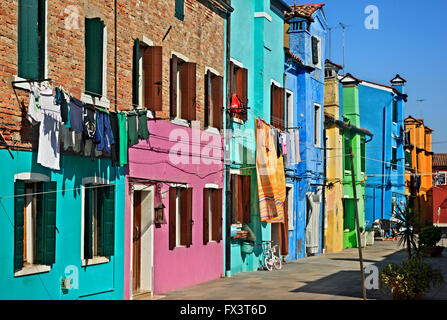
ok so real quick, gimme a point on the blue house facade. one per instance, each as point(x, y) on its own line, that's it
point(382, 111)
point(305, 56)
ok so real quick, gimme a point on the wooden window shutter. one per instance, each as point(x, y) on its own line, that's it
point(241, 89)
point(19, 220)
point(216, 201)
point(239, 198)
point(88, 218)
point(246, 198)
point(207, 99)
point(188, 91)
point(273, 98)
point(232, 79)
point(315, 58)
point(206, 208)
point(217, 83)
point(173, 95)
point(180, 9)
point(94, 41)
point(106, 198)
point(281, 107)
point(28, 34)
point(172, 217)
point(284, 232)
point(153, 78)
point(135, 72)
point(45, 223)
point(189, 221)
point(185, 216)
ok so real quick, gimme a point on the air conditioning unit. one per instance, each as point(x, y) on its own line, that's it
point(66, 283)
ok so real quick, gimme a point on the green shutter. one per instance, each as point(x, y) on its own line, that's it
point(408, 158)
point(180, 9)
point(135, 72)
point(347, 155)
point(49, 254)
point(349, 214)
point(94, 40)
point(363, 155)
point(28, 35)
point(88, 220)
point(41, 38)
point(106, 198)
point(45, 244)
point(19, 206)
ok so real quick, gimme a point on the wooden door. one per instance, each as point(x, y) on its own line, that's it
point(136, 247)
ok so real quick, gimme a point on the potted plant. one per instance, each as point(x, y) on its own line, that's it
point(410, 280)
point(428, 238)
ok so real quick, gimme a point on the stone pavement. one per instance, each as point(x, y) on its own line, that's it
point(332, 276)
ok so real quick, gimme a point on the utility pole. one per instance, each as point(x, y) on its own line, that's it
point(343, 26)
point(359, 241)
point(420, 107)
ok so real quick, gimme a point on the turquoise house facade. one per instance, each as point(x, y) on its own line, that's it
point(257, 61)
point(64, 273)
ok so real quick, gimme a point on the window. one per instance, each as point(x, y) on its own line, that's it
point(277, 106)
point(34, 224)
point(147, 76)
point(363, 155)
point(289, 109)
point(31, 39)
point(238, 85)
point(241, 202)
point(213, 100)
point(180, 9)
point(317, 125)
point(99, 221)
point(212, 215)
point(347, 162)
point(183, 89)
point(289, 207)
point(316, 52)
point(407, 158)
point(180, 217)
point(394, 158)
point(94, 56)
point(395, 114)
point(348, 214)
point(441, 178)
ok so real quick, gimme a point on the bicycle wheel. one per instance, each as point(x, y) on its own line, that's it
point(277, 262)
point(268, 264)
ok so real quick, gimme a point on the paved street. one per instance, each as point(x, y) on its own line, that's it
point(324, 277)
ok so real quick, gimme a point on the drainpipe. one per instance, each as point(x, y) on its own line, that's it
point(228, 194)
point(323, 207)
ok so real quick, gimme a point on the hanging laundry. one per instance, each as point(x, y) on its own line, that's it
point(284, 143)
point(89, 130)
point(60, 100)
point(297, 146)
point(76, 110)
point(104, 136)
point(67, 137)
point(67, 99)
point(48, 154)
point(312, 221)
point(122, 138)
point(115, 148)
point(292, 153)
point(270, 175)
point(143, 132)
point(34, 109)
point(278, 143)
point(132, 129)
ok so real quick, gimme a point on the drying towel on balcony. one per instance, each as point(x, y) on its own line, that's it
point(270, 175)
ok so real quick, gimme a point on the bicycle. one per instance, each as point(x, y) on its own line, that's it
point(270, 260)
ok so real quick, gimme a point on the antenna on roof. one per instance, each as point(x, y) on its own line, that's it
point(420, 106)
point(343, 26)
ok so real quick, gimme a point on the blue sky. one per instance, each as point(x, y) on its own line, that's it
point(411, 41)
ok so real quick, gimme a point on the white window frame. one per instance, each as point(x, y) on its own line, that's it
point(317, 128)
point(210, 211)
point(291, 216)
point(318, 65)
point(177, 213)
point(289, 109)
point(96, 259)
point(445, 178)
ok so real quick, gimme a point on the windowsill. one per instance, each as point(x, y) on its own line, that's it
point(212, 130)
point(99, 102)
point(32, 269)
point(347, 171)
point(237, 120)
point(94, 261)
point(291, 228)
point(24, 85)
point(394, 123)
point(180, 122)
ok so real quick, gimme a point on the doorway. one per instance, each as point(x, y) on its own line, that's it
point(142, 239)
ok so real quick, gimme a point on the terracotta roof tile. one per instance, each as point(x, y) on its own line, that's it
point(304, 10)
point(439, 160)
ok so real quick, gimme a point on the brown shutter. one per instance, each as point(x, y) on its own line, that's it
point(183, 216)
point(281, 106)
point(172, 214)
point(217, 214)
point(153, 78)
point(241, 88)
point(284, 232)
point(217, 83)
point(206, 208)
point(207, 100)
point(232, 79)
point(189, 91)
point(246, 198)
point(272, 104)
point(189, 221)
point(239, 197)
point(173, 96)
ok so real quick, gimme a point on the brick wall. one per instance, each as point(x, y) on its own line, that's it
point(200, 37)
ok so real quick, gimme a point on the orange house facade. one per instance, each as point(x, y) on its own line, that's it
point(418, 176)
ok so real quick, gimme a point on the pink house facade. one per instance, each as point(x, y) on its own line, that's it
point(173, 157)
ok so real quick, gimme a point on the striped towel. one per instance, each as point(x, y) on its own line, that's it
point(270, 175)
